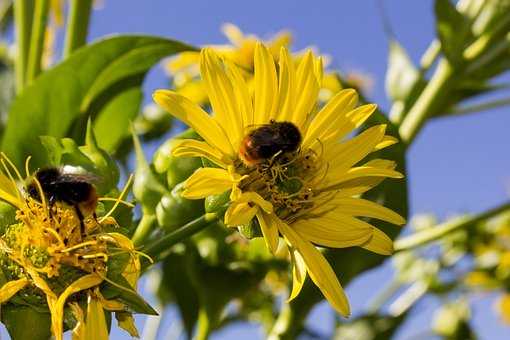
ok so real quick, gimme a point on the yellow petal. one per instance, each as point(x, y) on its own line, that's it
point(357, 172)
point(298, 273)
point(239, 214)
point(221, 95)
point(319, 70)
point(268, 226)
point(192, 115)
point(347, 154)
point(385, 142)
point(361, 185)
point(133, 267)
point(126, 321)
point(307, 90)
point(195, 148)
point(253, 197)
point(266, 88)
point(233, 33)
point(334, 230)
point(379, 243)
point(353, 120)
point(365, 208)
point(182, 61)
point(319, 269)
point(286, 94)
point(10, 288)
point(208, 181)
point(330, 114)
point(244, 100)
point(95, 326)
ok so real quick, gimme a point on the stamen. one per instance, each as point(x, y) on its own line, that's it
point(127, 204)
point(27, 167)
point(78, 246)
point(118, 200)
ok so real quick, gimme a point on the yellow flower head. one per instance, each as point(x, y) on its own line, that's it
point(289, 165)
point(51, 255)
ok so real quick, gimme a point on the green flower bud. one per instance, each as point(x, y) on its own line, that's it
point(147, 188)
point(174, 211)
point(153, 122)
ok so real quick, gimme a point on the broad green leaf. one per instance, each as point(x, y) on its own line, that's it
point(453, 30)
point(80, 87)
point(121, 109)
point(23, 322)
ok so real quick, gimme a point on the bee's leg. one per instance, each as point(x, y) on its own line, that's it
point(81, 218)
point(51, 202)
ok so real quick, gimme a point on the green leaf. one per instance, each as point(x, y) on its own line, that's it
point(133, 301)
point(78, 87)
point(121, 109)
point(453, 30)
point(402, 75)
point(176, 283)
point(23, 322)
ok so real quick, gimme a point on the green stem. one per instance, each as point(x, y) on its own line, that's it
point(204, 325)
point(430, 101)
point(143, 229)
point(77, 25)
point(427, 236)
point(382, 298)
point(23, 14)
point(478, 107)
point(37, 41)
point(167, 241)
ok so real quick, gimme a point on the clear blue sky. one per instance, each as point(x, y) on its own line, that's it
point(456, 165)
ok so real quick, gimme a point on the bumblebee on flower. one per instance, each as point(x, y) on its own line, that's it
point(60, 255)
point(287, 163)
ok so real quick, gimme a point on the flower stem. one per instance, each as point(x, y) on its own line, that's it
point(204, 325)
point(433, 234)
point(143, 229)
point(37, 39)
point(167, 241)
point(23, 14)
point(430, 100)
point(77, 25)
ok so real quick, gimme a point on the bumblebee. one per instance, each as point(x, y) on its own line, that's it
point(268, 140)
point(59, 185)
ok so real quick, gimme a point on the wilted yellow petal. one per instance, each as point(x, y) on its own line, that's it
point(379, 243)
point(319, 269)
point(132, 270)
point(10, 288)
point(95, 326)
point(79, 329)
point(126, 321)
point(57, 308)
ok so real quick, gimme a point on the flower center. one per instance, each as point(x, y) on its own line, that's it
point(285, 181)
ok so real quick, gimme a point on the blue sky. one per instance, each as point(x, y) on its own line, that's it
point(456, 165)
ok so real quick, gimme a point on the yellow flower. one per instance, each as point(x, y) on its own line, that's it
point(47, 253)
point(308, 196)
